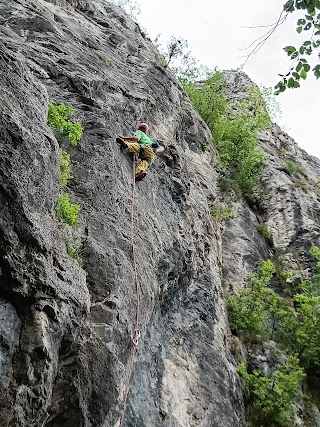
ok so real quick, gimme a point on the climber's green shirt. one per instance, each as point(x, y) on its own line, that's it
point(144, 138)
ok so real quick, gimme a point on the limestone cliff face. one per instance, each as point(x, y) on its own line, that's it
point(289, 206)
point(66, 332)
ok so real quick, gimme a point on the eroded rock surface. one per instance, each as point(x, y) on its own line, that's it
point(289, 206)
point(66, 332)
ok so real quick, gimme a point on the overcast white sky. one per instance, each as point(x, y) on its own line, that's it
point(215, 36)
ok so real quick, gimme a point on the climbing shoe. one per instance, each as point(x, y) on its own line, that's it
point(122, 143)
point(140, 176)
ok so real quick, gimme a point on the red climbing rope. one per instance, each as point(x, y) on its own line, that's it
point(136, 328)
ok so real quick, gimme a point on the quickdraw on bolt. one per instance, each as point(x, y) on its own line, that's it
point(136, 338)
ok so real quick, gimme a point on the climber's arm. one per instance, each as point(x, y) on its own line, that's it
point(133, 138)
point(157, 147)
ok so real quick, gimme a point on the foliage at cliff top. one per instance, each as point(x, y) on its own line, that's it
point(234, 127)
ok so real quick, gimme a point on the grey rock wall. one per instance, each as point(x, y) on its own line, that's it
point(289, 206)
point(67, 334)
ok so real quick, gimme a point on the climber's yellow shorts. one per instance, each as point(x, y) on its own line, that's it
point(146, 155)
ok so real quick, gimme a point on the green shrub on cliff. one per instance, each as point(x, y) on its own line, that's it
point(294, 325)
point(266, 233)
point(207, 97)
point(67, 212)
point(58, 118)
point(251, 309)
point(293, 168)
point(270, 399)
point(74, 250)
point(65, 167)
point(220, 212)
point(234, 127)
point(298, 329)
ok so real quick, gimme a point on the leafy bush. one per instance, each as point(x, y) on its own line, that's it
point(207, 98)
point(271, 399)
point(58, 119)
point(75, 251)
point(292, 168)
point(67, 212)
point(299, 327)
point(229, 187)
point(234, 129)
point(315, 251)
point(221, 213)
point(65, 167)
point(131, 7)
point(264, 230)
point(294, 324)
point(236, 136)
point(251, 310)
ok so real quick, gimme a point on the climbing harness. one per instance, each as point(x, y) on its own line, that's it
point(136, 327)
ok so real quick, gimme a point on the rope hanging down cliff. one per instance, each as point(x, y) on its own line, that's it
point(136, 328)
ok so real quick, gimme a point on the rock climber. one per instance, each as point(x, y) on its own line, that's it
point(142, 145)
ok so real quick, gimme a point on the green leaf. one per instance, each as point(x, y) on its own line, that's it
point(301, 22)
point(307, 43)
point(296, 84)
point(301, 50)
point(299, 29)
point(308, 26)
point(299, 67)
point(309, 17)
point(296, 75)
point(289, 49)
point(291, 83)
point(282, 88)
point(306, 67)
point(303, 74)
point(316, 71)
point(289, 6)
